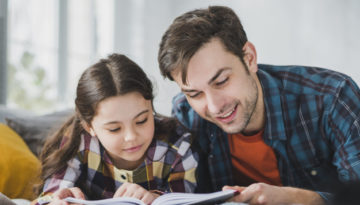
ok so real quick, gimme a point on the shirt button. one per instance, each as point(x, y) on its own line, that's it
point(123, 176)
point(313, 172)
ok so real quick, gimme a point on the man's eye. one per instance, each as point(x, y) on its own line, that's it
point(222, 82)
point(194, 95)
point(142, 121)
point(114, 130)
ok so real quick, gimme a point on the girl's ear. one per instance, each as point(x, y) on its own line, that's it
point(88, 128)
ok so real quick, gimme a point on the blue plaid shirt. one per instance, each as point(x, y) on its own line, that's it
point(312, 124)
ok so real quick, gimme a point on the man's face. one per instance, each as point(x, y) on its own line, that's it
point(220, 88)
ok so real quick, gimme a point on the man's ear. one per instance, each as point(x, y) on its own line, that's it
point(88, 128)
point(250, 57)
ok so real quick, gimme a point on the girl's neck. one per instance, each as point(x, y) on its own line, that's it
point(125, 164)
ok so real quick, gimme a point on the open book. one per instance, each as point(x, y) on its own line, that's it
point(168, 199)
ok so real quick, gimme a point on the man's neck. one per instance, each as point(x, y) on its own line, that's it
point(257, 120)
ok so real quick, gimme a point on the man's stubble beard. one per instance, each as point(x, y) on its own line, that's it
point(248, 112)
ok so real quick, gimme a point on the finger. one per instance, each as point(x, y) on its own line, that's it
point(77, 193)
point(237, 197)
point(58, 202)
point(62, 194)
point(238, 188)
point(148, 198)
point(135, 191)
point(121, 190)
point(137, 194)
point(251, 193)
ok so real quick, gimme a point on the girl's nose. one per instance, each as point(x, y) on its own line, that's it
point(130, 135)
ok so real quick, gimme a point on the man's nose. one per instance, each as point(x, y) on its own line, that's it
point(215, 103)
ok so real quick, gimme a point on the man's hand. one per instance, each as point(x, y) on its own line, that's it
point(135, 191)
point(66, 192)
point(260, 193)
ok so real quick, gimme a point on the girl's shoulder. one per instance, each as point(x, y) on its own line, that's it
point(89, 143)
point(169, 129)
point(176, 142)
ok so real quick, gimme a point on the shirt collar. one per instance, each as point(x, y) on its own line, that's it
point(274, 125)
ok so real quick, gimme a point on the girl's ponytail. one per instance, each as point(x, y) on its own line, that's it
point(59, 149)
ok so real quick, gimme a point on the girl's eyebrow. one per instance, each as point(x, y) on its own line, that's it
point(140, 113)
point(112, 122)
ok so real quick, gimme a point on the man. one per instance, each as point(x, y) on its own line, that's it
point(278, 134)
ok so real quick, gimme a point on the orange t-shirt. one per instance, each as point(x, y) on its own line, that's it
point(253, 160)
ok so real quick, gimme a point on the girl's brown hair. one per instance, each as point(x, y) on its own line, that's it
point(113, 76)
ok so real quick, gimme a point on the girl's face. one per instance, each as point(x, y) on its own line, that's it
point(125, 127)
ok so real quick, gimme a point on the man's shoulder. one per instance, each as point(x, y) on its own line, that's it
point(180, 105)
point(180, 100)
point(176, 144)
point(183, 111)
point(188, 117)
point(302, 79)
point(302, 72)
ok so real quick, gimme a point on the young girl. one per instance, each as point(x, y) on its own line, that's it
point(115, 144)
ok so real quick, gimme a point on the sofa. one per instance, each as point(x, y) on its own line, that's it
point(22, 135)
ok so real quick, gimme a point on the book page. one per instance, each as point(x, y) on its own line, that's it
point(194, 198)
point(168, 199)
point(111, 201)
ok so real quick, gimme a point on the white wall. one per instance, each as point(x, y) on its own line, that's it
point(322, 33)
point(3, 47)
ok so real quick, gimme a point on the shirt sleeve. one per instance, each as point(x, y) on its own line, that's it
point(182, 111)
point(344, 129)
point(64, 178)
point(182, 172)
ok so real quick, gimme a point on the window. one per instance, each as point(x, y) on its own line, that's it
point(50, 43)
point(32, 54)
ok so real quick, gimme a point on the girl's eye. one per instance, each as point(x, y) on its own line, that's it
point(141, 122)
point(222, 82)
point(114, 130)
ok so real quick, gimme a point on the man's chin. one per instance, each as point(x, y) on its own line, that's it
point(230, 128)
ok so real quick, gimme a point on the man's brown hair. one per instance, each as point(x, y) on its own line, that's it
point(190, 31)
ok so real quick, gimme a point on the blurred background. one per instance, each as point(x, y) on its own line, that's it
point(46, 44)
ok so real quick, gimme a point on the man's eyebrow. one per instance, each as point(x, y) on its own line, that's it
point(188, 90)
point(217, 74)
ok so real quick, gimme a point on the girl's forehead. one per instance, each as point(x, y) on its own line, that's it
point(122, 108)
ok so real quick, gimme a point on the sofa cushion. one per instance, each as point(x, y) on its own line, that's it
point(6, 112)
point(34, 130)
point(19, 167)
point(4, 200)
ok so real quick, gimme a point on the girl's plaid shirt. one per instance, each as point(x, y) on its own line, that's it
point(169, 166)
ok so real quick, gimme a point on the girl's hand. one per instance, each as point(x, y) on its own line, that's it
point(135, 191)
point(66, 192)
